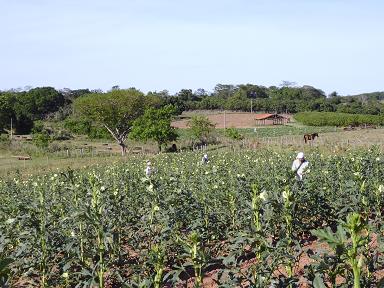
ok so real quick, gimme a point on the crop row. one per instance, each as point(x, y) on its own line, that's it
point(338, 119)
point(112, 225)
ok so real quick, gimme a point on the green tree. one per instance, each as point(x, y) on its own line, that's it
point(200, 92)
point(309, 92)
point(224, 90)
point(238, 101)
point(333, 94)
point(27, 106)
point(254, 91)
point(6, 110)
point(155, 125)
point(38, 102)
point(234, 134)
point(70, 95)
point(201, 128)
point(41, 139)
point(186, 95)
point(115, 110)
point(212, 102)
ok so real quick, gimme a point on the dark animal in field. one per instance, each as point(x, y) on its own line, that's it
point(173, 148)
point(309, 137)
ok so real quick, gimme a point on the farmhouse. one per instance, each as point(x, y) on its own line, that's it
point(270, 119)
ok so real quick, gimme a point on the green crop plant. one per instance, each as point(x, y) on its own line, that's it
point(257, 200)
point(288, 201)
point(157, 259)
point(347, 244)
point(5, 272)
point(378, 199)
point(96, 210)
point(194, 253)
point(355, 227)
point(100, 225)
point(42, 234)
point(197, 257)
point(80, 235)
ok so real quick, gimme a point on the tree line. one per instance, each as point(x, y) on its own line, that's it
point(22, 108)
point(26, 107)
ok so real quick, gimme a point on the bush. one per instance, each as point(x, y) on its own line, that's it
point(234, 134)
point(38, 127)
point(62, 135)
point(4, 138)
point(41, 140)
point(201, 128)
point(337, 119)
point(85, 127)
point(78, 126)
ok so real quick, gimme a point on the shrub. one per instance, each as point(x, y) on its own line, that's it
point(201, 128)
point(62, 135)
point(41, 140)
point(234, 134)
point(85, 127)
point(337, 119)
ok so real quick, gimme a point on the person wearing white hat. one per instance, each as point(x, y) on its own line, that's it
point(204, 160)
point(148, 170)
point(299, 166)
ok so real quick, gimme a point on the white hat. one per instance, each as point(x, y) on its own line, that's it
point(300, 155)
point(148, 163)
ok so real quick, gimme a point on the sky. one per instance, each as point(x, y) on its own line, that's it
point(155, 45)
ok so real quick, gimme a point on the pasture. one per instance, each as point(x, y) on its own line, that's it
point(82, 152)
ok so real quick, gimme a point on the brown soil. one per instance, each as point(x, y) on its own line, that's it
point(229, 119)
point(210, 277)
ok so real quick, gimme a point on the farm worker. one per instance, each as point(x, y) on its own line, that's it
point(204, 160)
point(299, 166)
point(148, 170)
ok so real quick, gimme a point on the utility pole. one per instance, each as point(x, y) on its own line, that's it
point(251, 104)
point(11, 129)
point(225, 120)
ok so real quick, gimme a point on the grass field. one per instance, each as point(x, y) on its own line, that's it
point(81, 214)
point(277, 137)
point(81, 151)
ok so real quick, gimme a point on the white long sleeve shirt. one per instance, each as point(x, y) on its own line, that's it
point(299, 169)
point(148, 171)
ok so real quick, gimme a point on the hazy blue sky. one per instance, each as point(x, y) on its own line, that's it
point(334, 45)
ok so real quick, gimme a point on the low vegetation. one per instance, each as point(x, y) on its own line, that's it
point(113, 226)
point(22, 108)
point(338, 119)
point(238, 219)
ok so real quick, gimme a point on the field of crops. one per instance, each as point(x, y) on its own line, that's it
point(241, 220)
point(337, 119)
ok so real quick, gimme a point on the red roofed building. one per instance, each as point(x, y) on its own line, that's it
point(270, 119)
